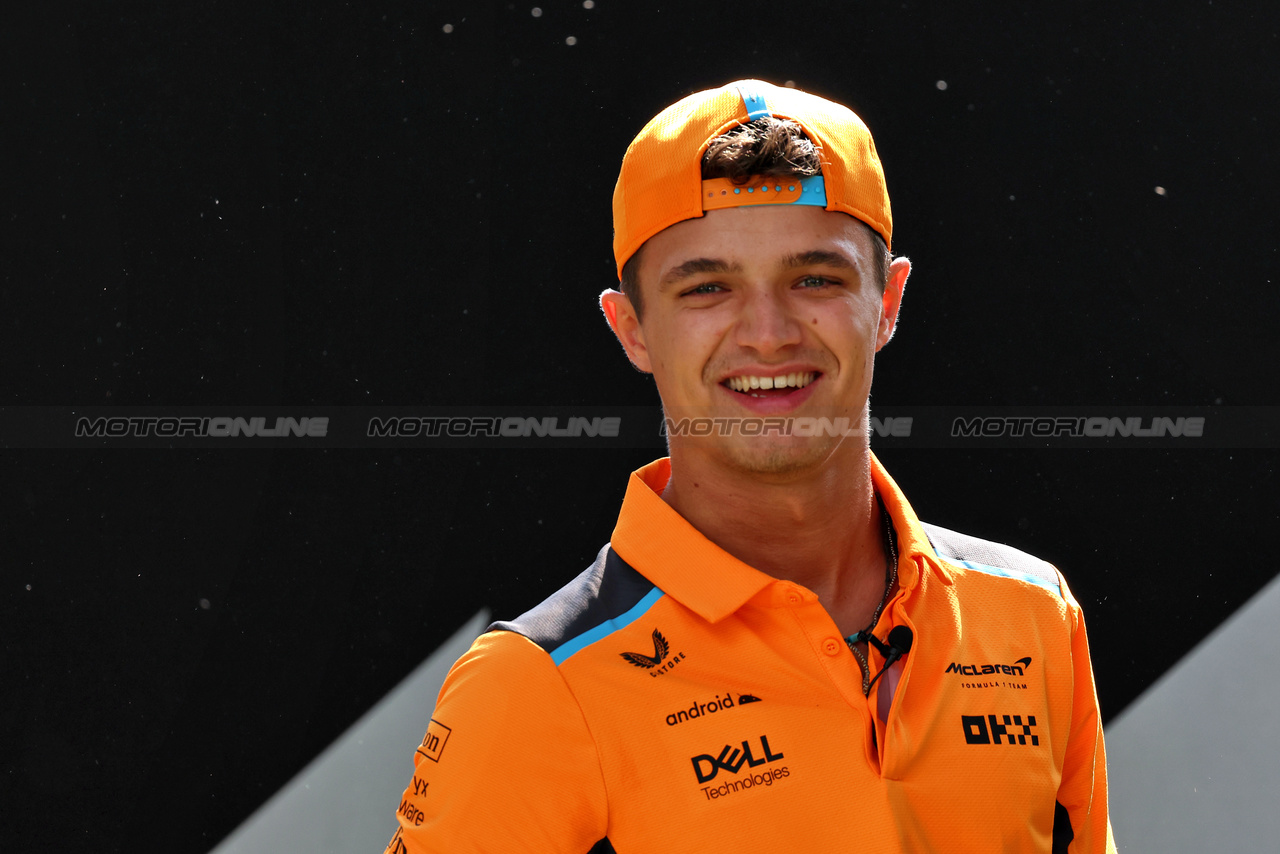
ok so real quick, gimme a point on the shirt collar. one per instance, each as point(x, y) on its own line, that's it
point(657, 541)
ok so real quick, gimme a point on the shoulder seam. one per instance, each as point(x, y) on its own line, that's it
point(991, 558)
point(602, 630)
point(604, 598)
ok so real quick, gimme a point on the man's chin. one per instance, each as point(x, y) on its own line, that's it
point(775, 459)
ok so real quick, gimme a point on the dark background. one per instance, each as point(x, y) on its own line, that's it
point(342, 204)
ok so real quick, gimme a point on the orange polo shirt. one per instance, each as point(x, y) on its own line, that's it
point(672, 698)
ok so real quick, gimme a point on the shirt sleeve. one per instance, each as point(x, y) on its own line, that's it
point(507, 764)
point(1083, 791)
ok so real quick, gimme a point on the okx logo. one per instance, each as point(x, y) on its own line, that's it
point(1007, 727)
point(732, 759)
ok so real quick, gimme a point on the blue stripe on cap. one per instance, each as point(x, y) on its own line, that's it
point(813, 191)
point(754, 101)
point(608, 627)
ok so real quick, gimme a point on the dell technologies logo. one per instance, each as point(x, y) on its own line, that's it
point(731, 759)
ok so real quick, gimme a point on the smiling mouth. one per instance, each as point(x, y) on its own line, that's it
point(762, 386)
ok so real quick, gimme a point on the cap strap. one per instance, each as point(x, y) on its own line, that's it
point(753, 99)
point(720, 193)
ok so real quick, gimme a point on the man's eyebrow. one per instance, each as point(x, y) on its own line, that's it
point(818, 257)
point(697, 267)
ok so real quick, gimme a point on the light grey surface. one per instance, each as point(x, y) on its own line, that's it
point(345, 801)
point(1193, 762)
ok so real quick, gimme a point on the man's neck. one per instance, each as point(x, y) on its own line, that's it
point(821, 529)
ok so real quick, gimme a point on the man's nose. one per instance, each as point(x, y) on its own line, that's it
point(767, 323)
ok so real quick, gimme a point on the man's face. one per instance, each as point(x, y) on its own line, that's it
point(747, 298)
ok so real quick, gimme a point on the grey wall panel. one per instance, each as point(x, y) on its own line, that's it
point(1193, 761)
point(345, 800)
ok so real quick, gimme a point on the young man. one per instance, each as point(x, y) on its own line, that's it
point(772, 652)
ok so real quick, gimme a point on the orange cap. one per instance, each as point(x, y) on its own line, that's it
point(661, 179)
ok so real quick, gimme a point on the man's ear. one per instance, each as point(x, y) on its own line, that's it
point(624, 322)
point(891, 299)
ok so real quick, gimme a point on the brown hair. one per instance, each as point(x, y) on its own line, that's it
point(768, 147)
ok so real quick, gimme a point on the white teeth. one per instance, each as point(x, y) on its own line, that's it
point(792, 380)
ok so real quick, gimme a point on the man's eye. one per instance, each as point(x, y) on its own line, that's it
point(705, 288)
point(815, 282)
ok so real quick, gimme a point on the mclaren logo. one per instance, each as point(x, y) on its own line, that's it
point(662, 659)
point(1018, 668)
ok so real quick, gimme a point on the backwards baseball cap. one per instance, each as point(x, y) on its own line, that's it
point(661, 179)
